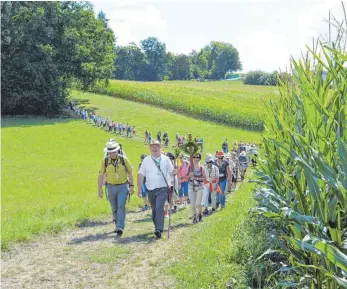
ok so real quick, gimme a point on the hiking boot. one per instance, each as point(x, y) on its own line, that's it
point(213, 210)
point(174, 210)
point(145, 208)
point(194, 220)
point(205, 212)
point(200, 217)
point(217, 205)
point(157, 233)
point(119, 232)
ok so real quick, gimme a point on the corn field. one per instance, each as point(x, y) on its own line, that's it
point(226, 104)
point(302, 180)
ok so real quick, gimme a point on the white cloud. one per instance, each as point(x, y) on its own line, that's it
point(133, 22)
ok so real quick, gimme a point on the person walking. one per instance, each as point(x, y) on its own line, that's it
point(224, 176)
point(183, 178)
point(196, 188)
point(225, 146)
point(143, 188)
point(119, 183)
point(157, 168)
point(211, 172)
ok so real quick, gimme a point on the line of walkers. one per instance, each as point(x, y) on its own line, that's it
point(164, 181)
point(103, 122)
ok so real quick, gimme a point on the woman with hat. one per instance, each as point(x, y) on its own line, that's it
point(119, 182)
point(196, 188)
point(224, 176)
point(210, 183)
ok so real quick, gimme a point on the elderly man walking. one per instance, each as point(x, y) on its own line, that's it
point(119, 182)
point(157, 168)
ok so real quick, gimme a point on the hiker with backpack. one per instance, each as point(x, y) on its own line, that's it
point(196, 188)
point(157, 168)
point(224, 177)
point(211, 172)
point(143, 187)
point(119, 183)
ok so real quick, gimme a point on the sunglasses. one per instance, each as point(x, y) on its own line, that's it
point(195, 157)
point(220, 158)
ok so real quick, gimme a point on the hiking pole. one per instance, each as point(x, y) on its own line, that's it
point(168, 229)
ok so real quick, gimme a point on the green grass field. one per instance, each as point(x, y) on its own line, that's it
point(228, 102)
point(50, 167)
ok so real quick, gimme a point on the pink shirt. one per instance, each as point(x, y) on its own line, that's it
point(183, 172)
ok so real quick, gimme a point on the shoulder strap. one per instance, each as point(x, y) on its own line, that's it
point(106, 162)
point(158, 166)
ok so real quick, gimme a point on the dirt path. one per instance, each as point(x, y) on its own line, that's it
point(93, 257)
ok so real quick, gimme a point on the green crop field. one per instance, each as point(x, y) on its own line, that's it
point(50, 167)
point(228, 102)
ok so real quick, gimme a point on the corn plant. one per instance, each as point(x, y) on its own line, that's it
point(303, 171)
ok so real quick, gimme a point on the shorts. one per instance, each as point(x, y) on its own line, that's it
point(144, 191)
point(183, 190)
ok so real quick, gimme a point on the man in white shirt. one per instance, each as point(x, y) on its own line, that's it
point(158, 169)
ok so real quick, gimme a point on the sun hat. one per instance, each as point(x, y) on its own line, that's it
point(243, 153)
point(228, 155)
point(112, 146)
point(209, 158)
point(155, 142)
point(220, 154)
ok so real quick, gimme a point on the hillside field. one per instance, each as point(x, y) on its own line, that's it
point(228, 102)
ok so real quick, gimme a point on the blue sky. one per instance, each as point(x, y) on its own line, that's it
point(266, 33)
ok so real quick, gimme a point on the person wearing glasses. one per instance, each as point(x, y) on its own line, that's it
point(224, 177)
point(196, 188)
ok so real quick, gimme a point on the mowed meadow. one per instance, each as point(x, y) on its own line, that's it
point(50, 166)
point(227, 102)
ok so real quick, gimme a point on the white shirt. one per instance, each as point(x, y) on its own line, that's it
point(211, 173)
point(154, 178)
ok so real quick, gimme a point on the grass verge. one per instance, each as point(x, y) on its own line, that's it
point(216, 253)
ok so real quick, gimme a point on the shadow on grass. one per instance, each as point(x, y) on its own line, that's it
point(141, 238)
point(89, 223)
point(80, 102)
point(144, 220)
point(27, 121)
point(92, 238)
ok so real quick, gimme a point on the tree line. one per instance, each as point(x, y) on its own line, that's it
point(49, 46)
point(150, 61)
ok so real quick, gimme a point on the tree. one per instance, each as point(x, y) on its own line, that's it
point(45, 46)
point(129, 62)
point(156, 60)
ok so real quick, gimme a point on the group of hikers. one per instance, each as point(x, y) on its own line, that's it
point(127, 129)
point(167, 184)
point(103, 122)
